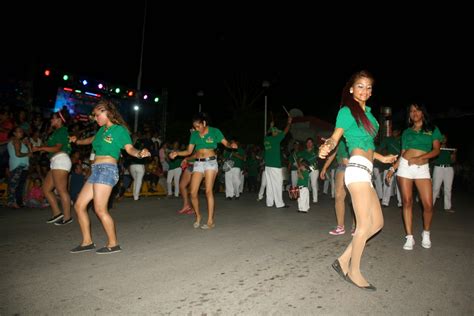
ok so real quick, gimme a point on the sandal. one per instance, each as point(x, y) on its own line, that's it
point(206, 226)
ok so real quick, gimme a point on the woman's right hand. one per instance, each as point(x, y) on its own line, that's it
point(388, 177)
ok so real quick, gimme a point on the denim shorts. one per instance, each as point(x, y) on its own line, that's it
point(104, 173)
point(202, 166)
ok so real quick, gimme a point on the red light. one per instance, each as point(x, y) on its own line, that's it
point(130, 93)
point(47, 72)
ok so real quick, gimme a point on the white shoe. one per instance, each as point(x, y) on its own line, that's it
point(409, 243)
point(426, 242)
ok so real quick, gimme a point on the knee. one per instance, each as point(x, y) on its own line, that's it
point(194, 194)
point(209, 193)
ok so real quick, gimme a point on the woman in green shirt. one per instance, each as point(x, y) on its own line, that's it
point(58, 149)
point(359, 127)
point(204, 140)
point(112, 136)
point(421, 141)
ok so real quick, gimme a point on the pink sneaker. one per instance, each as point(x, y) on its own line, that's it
point(339, 230)
point(190, 211)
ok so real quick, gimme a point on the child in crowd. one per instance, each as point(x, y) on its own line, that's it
point(302, 183)
point(35, 196)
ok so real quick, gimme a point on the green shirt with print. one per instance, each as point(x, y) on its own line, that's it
point(421, 140)
point(60, 136)
point(272, 150)
point(109, 141)
point(207, 141)
point(356, 135)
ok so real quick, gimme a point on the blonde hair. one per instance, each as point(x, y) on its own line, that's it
point(112, 113)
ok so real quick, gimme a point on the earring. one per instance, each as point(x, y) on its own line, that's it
point(350, 91)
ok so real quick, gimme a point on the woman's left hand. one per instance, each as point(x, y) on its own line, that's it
point(389, 158)
point(144, 153)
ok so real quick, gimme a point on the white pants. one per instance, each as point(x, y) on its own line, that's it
point(242, 182)
point(445, 176)
point(294, 178)
point(378, 182)
point(176, 175)
point(232, 182)
point(274, 186)
point(137, 172)
point(389, 189)
point(330, 180)
point(313, 179)
point(263, 185)
point(303, 200)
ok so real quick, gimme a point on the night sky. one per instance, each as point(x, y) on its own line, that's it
point(307, 55)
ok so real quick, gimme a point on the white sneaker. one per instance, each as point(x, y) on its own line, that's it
point(426, 242)
point(409, 243)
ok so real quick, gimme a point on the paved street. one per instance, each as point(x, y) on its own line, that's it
point(256, 261)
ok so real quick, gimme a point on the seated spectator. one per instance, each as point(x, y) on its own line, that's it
point(35, 196)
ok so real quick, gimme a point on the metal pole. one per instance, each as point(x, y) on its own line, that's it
point(136, 122)
point(199, 107)
point(139, 79)
point(265, 120)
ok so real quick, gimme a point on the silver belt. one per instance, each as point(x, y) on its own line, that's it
point(357, 165)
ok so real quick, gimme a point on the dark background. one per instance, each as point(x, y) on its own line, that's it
point(415, 54)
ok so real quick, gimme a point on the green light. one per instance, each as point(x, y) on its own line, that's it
point(157, 99)
point(117, 90)
point(65, 77)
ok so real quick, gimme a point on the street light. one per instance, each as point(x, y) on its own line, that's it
point(265, 85)
point(136, 108)
point(200, 94)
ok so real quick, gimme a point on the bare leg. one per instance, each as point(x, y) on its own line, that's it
point(340, 198)
point(369, 221)
point(60, 180)
point(406, 189)
point(425, 192)
point(196, 179)
point(209, 182)
point(183, 188)
point(101, 199)
point(83, 199)
point(48, 187)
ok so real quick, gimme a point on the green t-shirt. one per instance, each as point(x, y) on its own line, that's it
point(310, 156)
point(356, 136)
point(238, 163)
point(391, 144)
point(272, 150)
point(341, 152)
point(421, 140)
point(444, 158)
point(109, 142)
point(60, 136)
point(305, 180)
point(252, 167)
point(208, 141)
point(175, 163)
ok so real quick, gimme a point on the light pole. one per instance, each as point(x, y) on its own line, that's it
point(265, 85)
point(136, 108)
point(200, 94)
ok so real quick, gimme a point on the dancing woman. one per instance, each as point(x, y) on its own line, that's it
point(204, 140)
point(359, 127)
point(112, 136)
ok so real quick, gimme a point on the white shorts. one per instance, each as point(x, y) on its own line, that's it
point(359, 169)
point(413, 171)
point(60, 161)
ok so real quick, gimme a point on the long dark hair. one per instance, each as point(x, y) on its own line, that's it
point(112, 112)
point(63, 115)
point(428, 125)
point(348, 100)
